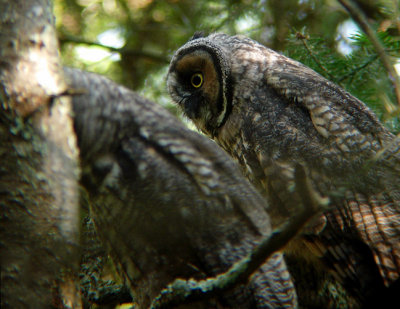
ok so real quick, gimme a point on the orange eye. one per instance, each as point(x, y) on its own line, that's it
point(197, 80)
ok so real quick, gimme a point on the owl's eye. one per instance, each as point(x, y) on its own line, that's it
point(197, 80)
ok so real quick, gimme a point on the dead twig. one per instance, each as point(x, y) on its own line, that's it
point(303, 39)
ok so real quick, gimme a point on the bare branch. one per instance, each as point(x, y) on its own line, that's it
point(362, 21)
point(65, 38)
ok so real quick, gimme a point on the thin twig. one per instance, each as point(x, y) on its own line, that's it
point(397, 14)
point(184, 291)
point(311, 53)
point(361, 20)
point(64, 38)
point(358, 69)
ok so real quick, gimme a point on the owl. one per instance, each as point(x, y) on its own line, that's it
point(168, 202)
point(270, 113)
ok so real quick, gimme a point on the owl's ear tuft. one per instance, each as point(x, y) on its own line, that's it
point(197, 35)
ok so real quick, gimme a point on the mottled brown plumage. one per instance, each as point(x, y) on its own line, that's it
point(169, 202)
point(269, 113)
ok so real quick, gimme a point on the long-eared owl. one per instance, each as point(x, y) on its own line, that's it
point(168, 202)
point(270, 113)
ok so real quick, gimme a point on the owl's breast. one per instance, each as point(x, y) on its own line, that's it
point(229, 135)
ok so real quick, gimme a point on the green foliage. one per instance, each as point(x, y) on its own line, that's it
point(152, 30)
point(148, 32)
point(360, 72)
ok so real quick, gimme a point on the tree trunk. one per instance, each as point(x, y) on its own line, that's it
point(39, 161)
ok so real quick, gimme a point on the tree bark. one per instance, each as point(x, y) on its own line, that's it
point(39, 161)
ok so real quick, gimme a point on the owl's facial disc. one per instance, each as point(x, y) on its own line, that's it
point(195, 82)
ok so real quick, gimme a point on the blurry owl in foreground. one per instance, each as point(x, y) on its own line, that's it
point(168, 202)
point(269, 113)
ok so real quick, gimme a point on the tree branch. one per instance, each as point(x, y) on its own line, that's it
point(362, 21)
point(354, 71)
point(65, 38)
point(184, 291)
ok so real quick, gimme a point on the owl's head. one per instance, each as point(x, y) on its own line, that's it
point(199, 80)
point(203, 74)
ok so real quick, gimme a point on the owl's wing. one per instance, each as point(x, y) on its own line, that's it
point(169, 202)
point(369, 211)
point(214, 173)
point(346, 121)
point(223, 214)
